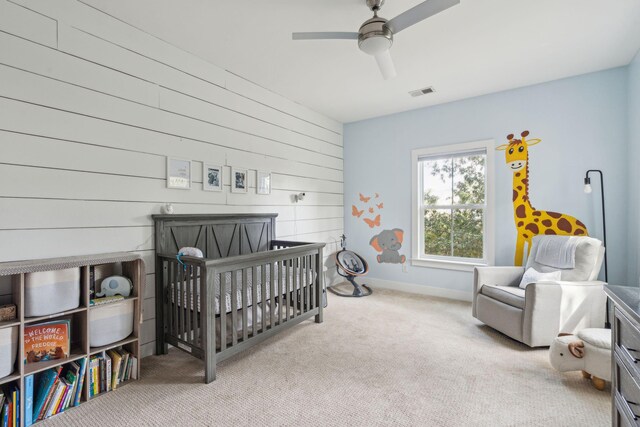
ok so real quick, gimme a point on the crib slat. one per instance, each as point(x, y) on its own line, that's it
point(245, 282)
point(263, 306)
point(287, 288)
point(282, 295)
point(254, 299)
point(223, 311)
point(313, 281)
point(272, 294)
point(196, 307)
point(170, 299)
point(308, 278)
point(294, 286)
point(303, 283)
point(182, 303)
point(188, 304)
point(176, 299)
point(234, 307)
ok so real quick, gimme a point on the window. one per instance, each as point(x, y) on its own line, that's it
point(452, 206)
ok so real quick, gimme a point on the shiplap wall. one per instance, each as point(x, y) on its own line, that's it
point(89, 109)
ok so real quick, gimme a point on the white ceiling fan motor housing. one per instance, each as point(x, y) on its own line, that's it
point(374, 36)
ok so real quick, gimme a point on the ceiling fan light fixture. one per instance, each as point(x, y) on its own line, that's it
point(374, 37)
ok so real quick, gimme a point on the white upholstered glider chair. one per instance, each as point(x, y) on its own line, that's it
point(535, 315)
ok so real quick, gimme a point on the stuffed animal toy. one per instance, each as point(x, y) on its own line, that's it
point(589, 351)
point(388, 243)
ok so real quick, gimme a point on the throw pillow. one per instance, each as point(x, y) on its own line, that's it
point(531, 275)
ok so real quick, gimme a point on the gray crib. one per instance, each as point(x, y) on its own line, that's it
point(247, 288)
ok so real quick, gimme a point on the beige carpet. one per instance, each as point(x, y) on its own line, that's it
point(389, 359)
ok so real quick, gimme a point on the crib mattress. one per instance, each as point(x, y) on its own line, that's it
point(293, 282)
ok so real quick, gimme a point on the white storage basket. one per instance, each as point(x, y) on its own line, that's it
point(110, 322)
point(50, 292)
point(8, 350)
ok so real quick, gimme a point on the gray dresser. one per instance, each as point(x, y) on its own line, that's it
point(625, 361)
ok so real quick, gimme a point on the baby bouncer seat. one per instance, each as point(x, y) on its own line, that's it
point(351, 265)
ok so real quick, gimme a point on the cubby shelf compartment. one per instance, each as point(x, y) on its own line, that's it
point(29, 320)
point(13, 377)
point(128, 340)
point(97, 307)
point(127, 264)
point(35, 367)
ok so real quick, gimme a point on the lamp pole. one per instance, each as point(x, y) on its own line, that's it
point(587, 189)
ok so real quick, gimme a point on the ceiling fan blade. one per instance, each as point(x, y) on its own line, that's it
point(325, 36)
point(419, 13)
point(385, 62)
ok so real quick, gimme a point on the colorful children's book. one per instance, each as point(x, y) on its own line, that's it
point(83, 367)
point(5, 413)
point(46, 341)
point(50, 392)
point(15, 393)
point(28, 401)
point(45, 382)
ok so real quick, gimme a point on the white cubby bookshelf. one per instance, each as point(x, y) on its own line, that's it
point(13, 275)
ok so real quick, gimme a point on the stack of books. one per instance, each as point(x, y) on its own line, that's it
point(110, 368)
point(53, 391)
point(10, 404)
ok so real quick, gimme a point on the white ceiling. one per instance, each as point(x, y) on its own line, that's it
point(477, 47)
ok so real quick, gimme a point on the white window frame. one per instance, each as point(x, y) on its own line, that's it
point(418, 257)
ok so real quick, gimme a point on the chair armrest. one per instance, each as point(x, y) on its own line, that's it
point(560, 306)
point(502, 276)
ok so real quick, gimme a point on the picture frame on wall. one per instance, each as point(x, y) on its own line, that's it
point(211, 177)
point(263, 182)
point(179, 173)
point(239, 180)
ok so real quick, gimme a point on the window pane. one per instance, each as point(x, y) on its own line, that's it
point(437, 175)
point(437, 232)
point(467, 233)
point(468, 180)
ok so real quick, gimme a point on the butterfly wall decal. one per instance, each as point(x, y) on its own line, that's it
point(355, 212)
point(380, 205)
point(373, 222)
point(370, 210)
point(364, 198)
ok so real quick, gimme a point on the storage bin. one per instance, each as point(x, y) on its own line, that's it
point(8, 350)
point(110, 322)
point(50, 292)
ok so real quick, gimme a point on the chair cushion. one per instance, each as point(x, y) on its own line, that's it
point(510, 295)
point(588, 260)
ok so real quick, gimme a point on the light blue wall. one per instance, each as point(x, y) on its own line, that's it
point(634, 173)
point(582, 122)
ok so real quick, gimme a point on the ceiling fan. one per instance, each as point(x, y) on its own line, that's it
point(375, 36)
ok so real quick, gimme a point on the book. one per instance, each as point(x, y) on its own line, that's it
point(50, 392)
point(5, 413)
point(134, 368)
point(47, 341)
point(45, 381)
point(10, 411)
point(63, 396)
point(15, 392)
point(108, 362)
point(28, 400)
point(83, 366)
point(116, 359)
point(72, 375)
point(54, 400)
point(15, 397)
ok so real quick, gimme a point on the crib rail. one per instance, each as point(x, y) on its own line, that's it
point(268, 291)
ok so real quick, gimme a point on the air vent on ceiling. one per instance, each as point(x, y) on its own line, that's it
point(422, 91)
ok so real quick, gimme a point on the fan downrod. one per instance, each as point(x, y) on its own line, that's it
point(374, 5)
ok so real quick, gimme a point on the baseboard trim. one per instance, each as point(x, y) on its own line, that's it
point(414, 288)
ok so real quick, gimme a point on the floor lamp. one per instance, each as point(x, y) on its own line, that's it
point(587, 189)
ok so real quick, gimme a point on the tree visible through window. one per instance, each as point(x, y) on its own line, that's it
point(453, 205)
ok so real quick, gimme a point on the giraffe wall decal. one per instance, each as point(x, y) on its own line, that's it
point(529, 220)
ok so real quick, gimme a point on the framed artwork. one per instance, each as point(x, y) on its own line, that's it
point(239, 180)
point(178, 173)
point(211, 177)
point(263, 184)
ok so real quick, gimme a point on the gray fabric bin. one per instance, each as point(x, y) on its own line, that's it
point(8, 350)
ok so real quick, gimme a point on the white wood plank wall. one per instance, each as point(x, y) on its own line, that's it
point(89, 109)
